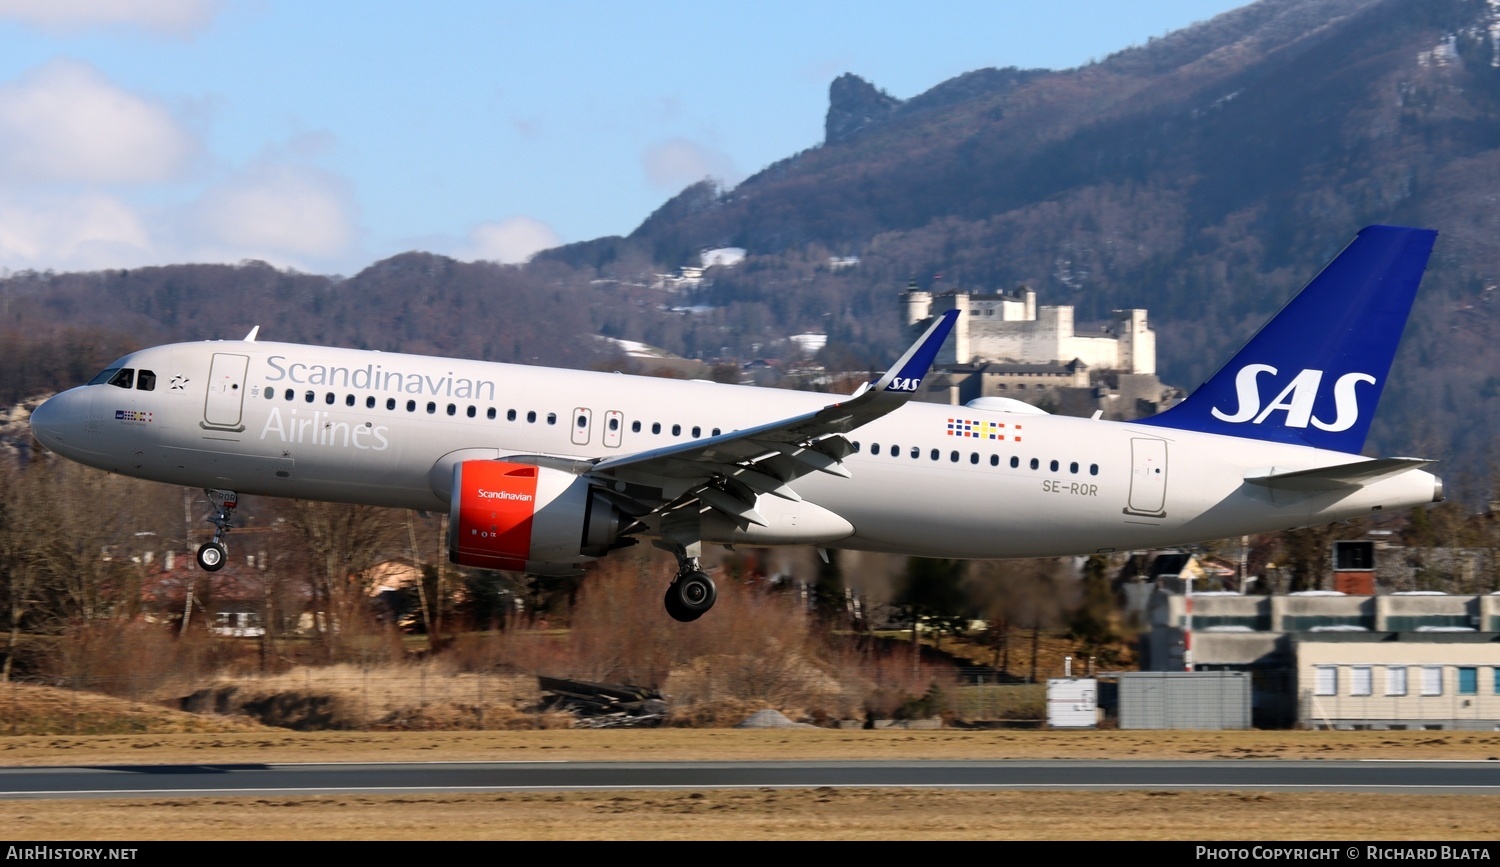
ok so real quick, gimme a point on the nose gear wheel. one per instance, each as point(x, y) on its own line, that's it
point(212, 554)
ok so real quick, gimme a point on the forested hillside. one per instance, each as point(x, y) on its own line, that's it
point(1204, 176)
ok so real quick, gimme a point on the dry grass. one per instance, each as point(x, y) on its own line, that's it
point(770, 814)
point(674, 744)
point(426, 696)
point(27, 709)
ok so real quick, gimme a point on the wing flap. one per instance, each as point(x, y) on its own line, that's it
point(722, 471)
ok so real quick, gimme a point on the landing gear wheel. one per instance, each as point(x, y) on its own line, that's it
point(690, 596)
point(211, 554)
point(211, 557)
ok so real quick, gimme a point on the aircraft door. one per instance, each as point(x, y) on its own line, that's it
point(1148, 478)
point(583, 420)
point(614, 428)
point(224, 406)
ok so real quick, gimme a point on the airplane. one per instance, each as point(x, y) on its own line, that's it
point(544, 470)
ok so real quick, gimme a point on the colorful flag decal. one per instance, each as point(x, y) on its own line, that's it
point(982, 429)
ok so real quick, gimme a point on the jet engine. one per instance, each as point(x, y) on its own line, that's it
point(527, 518)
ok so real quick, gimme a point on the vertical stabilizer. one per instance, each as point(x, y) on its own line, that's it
point(1314, 373)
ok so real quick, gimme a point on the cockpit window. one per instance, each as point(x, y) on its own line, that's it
point(104, 376)
point(124, 378)
point(146, 381)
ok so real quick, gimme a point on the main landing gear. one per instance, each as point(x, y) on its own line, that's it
point(211, 555)
point(691, 593)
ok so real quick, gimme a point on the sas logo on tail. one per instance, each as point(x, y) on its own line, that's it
point(1296, 399)
point(904, 384)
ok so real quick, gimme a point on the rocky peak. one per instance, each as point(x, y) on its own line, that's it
point(853, 104)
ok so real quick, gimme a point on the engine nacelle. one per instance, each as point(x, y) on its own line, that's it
point(527, 518)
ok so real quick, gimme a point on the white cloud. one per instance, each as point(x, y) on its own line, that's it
point(178, 18)
point(281, 213)
point(677, 162)
point(512, 240)
point(64, 121)
point(72, 233)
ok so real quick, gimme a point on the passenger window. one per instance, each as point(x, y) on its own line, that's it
point(349, 400)
point(716, 432)
point(874, 448)
point(431, 407)
point(1035, 463)
point(635, 427)
point(328, 398)
point(676, 430)
point(953, 456)
point(1054, 466)
point(1014, 462)
point(551, 418)
point(471, 412)
point(916, 452)
point(370, 402)
point(531, 417)
point(510, 415)
point(146, 381)
point(1093, 469)
point(1073, 467)
point(390, 403)
point(490, 414)
point(697, 431)
point(994, 460)
point(309, 397)
point(934, 454)
point(973, 457)
point(125, 378)
point(895, 451)
point(452, 410)
point(411, 406)
point(856, 446)
point(270, 394)
point(291, 395)
point(614, 424)
point(583, 422)
point(656, 427)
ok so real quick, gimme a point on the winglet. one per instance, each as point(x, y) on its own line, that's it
point(250, 338)
point(906, 375)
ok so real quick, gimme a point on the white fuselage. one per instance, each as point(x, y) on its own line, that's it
point(927, 480)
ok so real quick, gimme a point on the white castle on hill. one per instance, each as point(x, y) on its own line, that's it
point(1007, 346)
point(1015, 329)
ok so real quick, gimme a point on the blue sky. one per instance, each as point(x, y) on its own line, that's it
point(326, 135)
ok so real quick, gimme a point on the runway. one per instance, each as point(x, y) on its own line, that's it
point(1418, 777)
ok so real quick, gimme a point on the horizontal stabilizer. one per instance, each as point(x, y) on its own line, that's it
point(1341, 476)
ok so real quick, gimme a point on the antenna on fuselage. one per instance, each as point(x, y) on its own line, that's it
point(250, 338)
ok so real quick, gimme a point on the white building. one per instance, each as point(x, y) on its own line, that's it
point(994, 328)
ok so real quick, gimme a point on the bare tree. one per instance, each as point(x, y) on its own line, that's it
point(337, 544)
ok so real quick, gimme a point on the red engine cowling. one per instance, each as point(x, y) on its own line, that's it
point(527, 518)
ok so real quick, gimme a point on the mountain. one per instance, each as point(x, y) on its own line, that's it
point(1205, 176)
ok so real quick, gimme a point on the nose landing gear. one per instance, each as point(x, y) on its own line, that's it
point(211, 555)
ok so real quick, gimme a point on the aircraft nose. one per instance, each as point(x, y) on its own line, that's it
point(48, 422)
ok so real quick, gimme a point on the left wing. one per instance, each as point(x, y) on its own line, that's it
point(728, 472)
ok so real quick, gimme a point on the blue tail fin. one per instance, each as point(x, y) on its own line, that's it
point(1314, 373)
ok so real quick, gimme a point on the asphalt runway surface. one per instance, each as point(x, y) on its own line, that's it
point(1405, 777)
